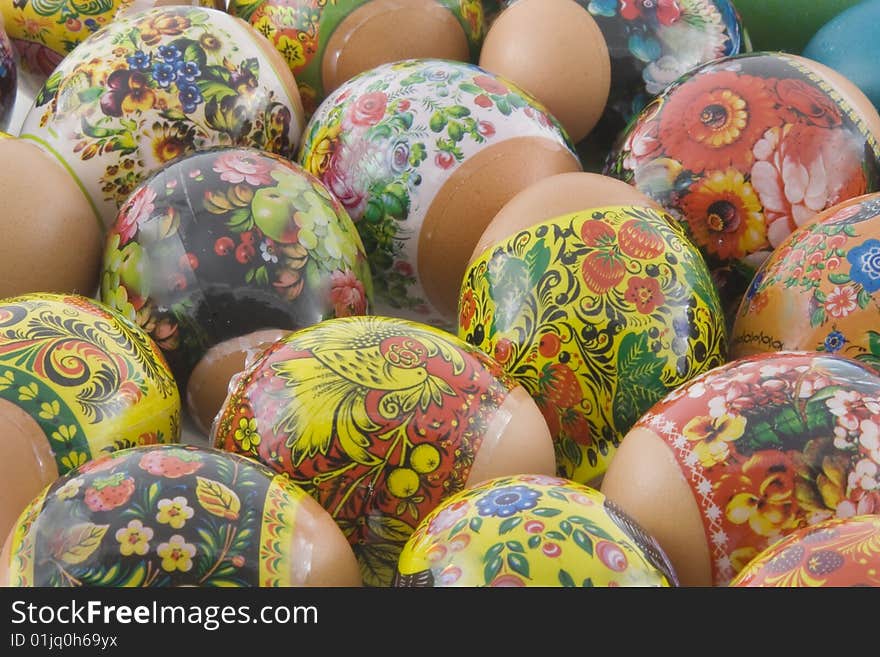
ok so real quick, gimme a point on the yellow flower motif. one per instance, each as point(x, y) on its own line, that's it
point(49, 410)
point(28, 392)
point(65, 433)
point(291, 50)
point(69, 490)
point(174, 512)
point(763, 494)
point(134, 539)
point(323, 147)
point(73, 460)
point(265, 27)
point(246, 434)
point(176, 554)
point(6, 379)
point(711, 435)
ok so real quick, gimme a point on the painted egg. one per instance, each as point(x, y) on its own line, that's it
point(740, 457)
point(598, 314)
point(8, 78)
point(175, 516)
point(326, 44)
point(226, 242)
point(531, 530)
point(423, 154)
point(783, 25)
point(118, 108)
point(380, 420)
point(834, 553)
point(745, 149)
point(45, 31)
point(76, 381)
point(51, 241)
point(820, 289)
point(554, 49)
point(847, 44)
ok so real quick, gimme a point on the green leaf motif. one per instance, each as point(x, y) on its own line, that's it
point(509, 281)
point(583, 541)
point(509, 524)
point(545, 512)
point(639, 385)
point(437, 121)
point(518, 564)
point(839, 279)
point(515, 546)
point(565, 579)
point(491, 570)
point(534, 541)
point(537, 259)
point(389, 529)
point(475, 524)
point(458, 111)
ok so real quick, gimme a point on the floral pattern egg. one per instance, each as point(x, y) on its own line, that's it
point(44, 32)
point(423, 154)
point(749, 453)
point(8, 78)
point(76, 381)
point(157, 85)
point(226, 242)
point(531, 530)
point(745, 149)
point(175, 516)
point(598, 314)
point(820, 289)
point(833, 553)
point(380, 420)
point(328, 43)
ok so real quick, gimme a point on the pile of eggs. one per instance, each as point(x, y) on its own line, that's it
point(528, 293)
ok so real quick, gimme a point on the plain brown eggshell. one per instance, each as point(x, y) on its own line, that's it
point(556, 196)
point(27, 466)
point(384, 31)
point(644, 479)
point(468, 200)
point(52, 238)
point(555, 50)
point(208, 384)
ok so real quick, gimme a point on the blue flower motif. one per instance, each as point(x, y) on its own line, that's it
point(189, 71)
point(504, 502)
point(170, 53)
point(190, 97)
point(164, 74)
point(756, 283)
point(602, 7)
point(864, 263)
point(140, 61)
point(834, 342)
point(92, 24)
point(644, 47)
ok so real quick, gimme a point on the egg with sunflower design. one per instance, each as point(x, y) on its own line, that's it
point(422, 154)
point(531, 530)
point(327, 43)
point(819, 289)
point(167, 515)
point(155, 86)
point(380, 419)
point(77, 380)
point(598, 314)
point(749, 453)
point(227, 242)
point(745, 149)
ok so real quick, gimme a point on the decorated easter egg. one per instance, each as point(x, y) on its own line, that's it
point(175, 516)
point(745, 149)
point(381, 419)
point(820, 289)
point(226, 242)
point(76, 381)
point(422, 154)
point(598, 314)
point(744, 455)
point(328, 43)
point(530, 530)
point(188, 79)
point(833, 553)
point(786, 25)
point(8, 78)
point(45, 31)
point(847, 44)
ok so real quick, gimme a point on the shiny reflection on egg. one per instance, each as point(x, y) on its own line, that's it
point(530, 530)
point(167, 515)
point(745, 455)
point(76, 381)
point(380, 420)
point(422, 154)
point(746, 149)
point(598, 314)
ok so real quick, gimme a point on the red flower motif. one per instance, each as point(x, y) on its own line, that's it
point(485, 128)
point(467, 310)
point(444, 160)
point(808, 103)
point(369, 109)
point(645, 293)
point(483, 101)
point(667, 11)
point(491, 85)
point(138, 209)
point(347, 294)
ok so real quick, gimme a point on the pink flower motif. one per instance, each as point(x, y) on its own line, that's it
point(354, 164)
point(449, 575)
point(841, 301)
point(448, 517)
point(138, 209)
point(347, 294)
point(236, 167)
point(801, 170)
point(485, 128)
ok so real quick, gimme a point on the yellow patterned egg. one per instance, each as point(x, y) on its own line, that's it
point(76, 380)
point(531, 530)
point(598, 314)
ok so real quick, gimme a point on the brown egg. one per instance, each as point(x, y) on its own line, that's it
point(210, 379)
point(555, 196)
point(52, 237)
point(555, 50)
